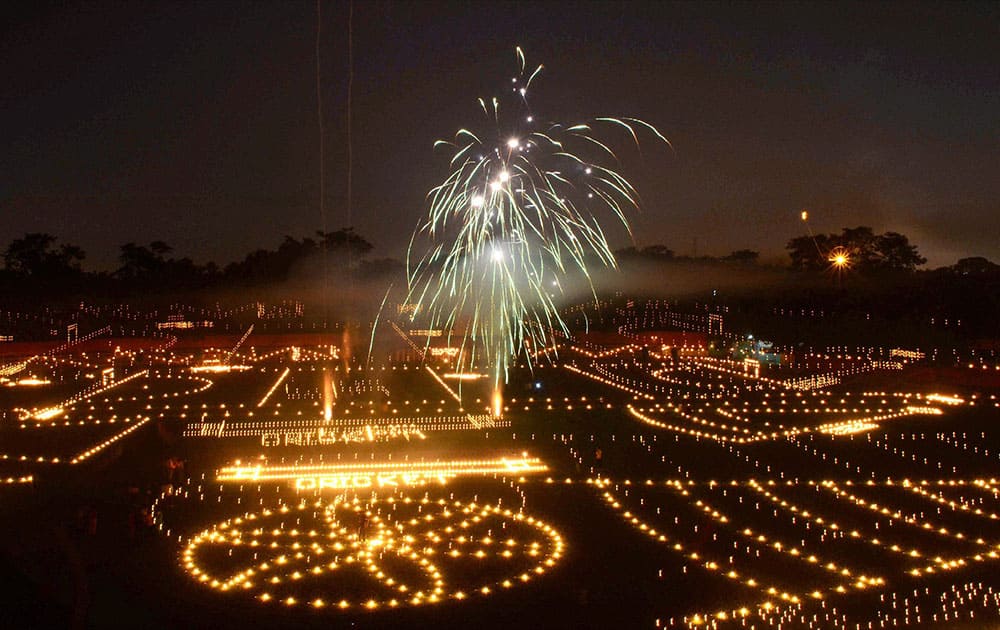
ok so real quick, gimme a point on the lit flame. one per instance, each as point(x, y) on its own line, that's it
point(497, 403)
point(48, 413)
point(329, 394)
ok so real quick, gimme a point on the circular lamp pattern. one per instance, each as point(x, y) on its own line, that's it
point(372, 552)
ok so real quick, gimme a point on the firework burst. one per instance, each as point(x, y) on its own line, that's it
point(517, 215)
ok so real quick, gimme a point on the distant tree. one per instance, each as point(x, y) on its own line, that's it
point(810, 253)
point(345, 247)
point(861, 243)
point(650, 252)
point(263, 265)
point(660, 252)
point(743, 256)
point(35, 255)
point(865, 250)
point(894, 252)
point(39, 261)
point(160, 249)
point(975, 266)
point(147, 265)
point(139, 261)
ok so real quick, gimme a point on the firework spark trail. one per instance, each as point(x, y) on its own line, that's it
point(515, 217)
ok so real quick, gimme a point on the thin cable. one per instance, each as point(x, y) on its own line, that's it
point(350, 140)
point(350, 93)
point(322, 165)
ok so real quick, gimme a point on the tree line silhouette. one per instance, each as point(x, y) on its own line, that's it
point(885, 293)
point(38, 263)
point(865, 252)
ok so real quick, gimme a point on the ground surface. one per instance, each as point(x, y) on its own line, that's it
point(675, 492)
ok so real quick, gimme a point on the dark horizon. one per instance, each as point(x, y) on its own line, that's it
point(196, 124)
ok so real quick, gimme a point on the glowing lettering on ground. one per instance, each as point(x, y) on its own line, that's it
point(378, 429)
point(520, 465)
point(347, 481)
point(947, 400)
point(425, 332)
point(324, 436)
point(184, 324)
point(907, 354)
point(218, 368)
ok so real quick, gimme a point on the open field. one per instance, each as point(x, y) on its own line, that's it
point(198, 487)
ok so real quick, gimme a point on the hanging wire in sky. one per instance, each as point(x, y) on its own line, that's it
point(350, 139)
point(322, 165)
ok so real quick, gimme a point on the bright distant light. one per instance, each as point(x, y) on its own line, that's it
point(588, 170)
point(465, 376)
point(497, 254)
point(531, 118)
point(494, 186)
point(29, 381)
point(805, 215)
point(513, 143)
point(504, 176)
point(48, 413)
point(477, 201)
point(839, 258)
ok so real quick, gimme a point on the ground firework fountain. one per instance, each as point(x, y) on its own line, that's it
point(519, 213)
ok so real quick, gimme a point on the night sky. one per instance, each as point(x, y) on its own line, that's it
point(196, 123)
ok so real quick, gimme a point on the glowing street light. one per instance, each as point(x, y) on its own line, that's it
point(839, 260)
